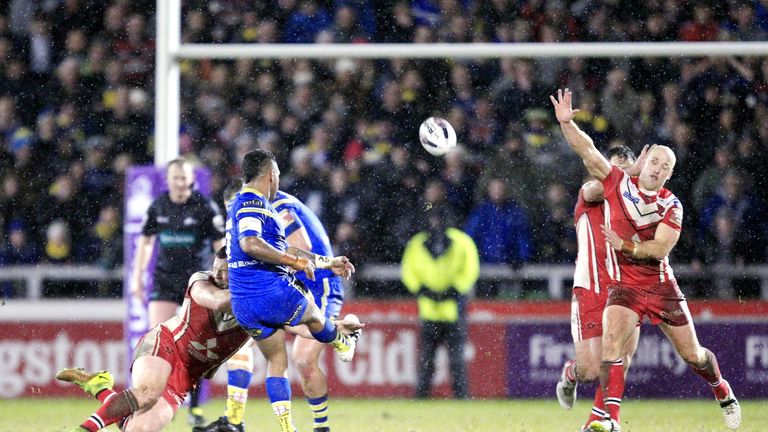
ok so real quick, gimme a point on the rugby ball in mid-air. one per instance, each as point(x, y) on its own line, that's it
point(437, 136)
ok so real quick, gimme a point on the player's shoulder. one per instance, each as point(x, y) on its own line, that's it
point(200, 276)
point(284, 200)
point(668, 199)
point(251, 198)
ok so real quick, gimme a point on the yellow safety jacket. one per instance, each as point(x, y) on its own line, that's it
point(438, 282)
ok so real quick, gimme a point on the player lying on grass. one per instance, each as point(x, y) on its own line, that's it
point(172, 357)
point(642, 224)
point(590, 289)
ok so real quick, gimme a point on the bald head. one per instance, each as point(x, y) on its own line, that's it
point(665, 153)
point(658, 168)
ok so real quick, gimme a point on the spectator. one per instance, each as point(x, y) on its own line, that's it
point(19, 249)
point(440, 266)
point(500, 228)
point(746, 216)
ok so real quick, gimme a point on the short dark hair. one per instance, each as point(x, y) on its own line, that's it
point(621, 151)
point(255, 163)
point(222, 253)
point(178, 162)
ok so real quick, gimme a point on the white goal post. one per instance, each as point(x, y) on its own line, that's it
point(170, 51)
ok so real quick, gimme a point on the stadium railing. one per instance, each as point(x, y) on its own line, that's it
point(556, 278)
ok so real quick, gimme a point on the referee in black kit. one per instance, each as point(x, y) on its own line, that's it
point(184, 224)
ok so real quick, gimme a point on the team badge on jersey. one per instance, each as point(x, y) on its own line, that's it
point(677, 216)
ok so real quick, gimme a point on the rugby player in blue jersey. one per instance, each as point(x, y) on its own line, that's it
point(303, 230)
point(266, 295)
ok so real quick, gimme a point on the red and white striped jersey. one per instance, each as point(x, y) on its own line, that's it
point(204, 338)
point(635, 215)
point(591, 272)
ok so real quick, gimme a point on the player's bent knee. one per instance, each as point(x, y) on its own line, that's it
point(147, 396)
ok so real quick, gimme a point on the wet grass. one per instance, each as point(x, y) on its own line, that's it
point(404, 415)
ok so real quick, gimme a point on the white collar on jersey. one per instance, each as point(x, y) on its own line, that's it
point(647, 192)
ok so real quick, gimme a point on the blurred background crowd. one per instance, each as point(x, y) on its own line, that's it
point(76, 109)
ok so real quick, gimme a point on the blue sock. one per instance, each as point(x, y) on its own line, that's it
point(278, 389)
point(328, 334)
point(319, 407)
point(239, 378)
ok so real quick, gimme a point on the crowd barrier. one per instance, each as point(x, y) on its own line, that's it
point(515, 350)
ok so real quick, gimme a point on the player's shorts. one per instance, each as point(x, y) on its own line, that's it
point(169, 287)
point(587, 313)
point(158, 342)
point(661, 302)
point(282, 304)
point(328, 293)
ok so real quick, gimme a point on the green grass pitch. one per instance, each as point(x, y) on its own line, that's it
point(404, 415)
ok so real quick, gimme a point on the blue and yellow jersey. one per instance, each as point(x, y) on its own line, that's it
point(251, 214)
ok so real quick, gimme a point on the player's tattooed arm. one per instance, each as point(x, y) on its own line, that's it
point(257, 248)
point(580, 142)
point(340, 265)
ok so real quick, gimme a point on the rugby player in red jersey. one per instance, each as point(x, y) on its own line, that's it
point(172, 357)
point(642, 224)
point(590, 289)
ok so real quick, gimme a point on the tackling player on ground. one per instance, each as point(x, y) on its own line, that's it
point(172, 357)
point(590, 290)
point(303, 230)
point(643, 221)
point(266, 296)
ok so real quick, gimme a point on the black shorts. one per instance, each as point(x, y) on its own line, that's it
point(169, 287)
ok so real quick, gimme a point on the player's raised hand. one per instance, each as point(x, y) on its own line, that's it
point(342, 266)
point(563, 109)
point(636, 167)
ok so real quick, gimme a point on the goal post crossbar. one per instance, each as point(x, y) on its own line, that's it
point(471, 50)
point(170, 51)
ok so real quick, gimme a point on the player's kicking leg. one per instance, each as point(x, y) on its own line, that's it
point(704, 363)
point(239, 373)
point(326, 332)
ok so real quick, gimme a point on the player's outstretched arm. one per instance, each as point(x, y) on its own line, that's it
point(257, 248)
point(663, 241)
point(210, 296)
point(579, 141)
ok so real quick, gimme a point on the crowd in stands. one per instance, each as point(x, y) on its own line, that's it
point(76, 110)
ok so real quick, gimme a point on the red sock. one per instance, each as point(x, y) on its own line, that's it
point(105, 394)
point(570, 370)
point(711, 373)
point(598, 406)
point(612, 382)
point(116, 407)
